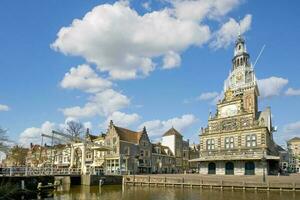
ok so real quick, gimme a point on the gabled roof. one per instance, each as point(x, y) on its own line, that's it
point(279, 148)
point(164, 149)
point(128, 135)
point(172, 131)
point(91, 137)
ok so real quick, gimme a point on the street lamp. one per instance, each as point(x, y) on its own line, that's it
point(263, 160)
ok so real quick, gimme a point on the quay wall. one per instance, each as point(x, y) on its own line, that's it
point(291, 183)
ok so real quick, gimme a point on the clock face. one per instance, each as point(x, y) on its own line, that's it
point(239, 77)
point(228, 111)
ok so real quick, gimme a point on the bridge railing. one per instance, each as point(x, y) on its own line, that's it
point(38, 171)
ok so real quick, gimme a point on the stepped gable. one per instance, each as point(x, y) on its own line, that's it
point(128, 135)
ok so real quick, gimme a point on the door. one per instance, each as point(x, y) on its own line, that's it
point(229, 168)
point(249, 168)
point(211, 168)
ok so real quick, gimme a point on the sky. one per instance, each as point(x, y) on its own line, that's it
point(153, 63)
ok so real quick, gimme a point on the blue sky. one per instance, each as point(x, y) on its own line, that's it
point(144, 63)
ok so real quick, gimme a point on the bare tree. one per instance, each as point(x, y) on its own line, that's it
point(17, 155)
point(3, 140)
point(75, 129)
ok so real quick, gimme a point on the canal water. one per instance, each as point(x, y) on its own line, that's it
point(160, 193)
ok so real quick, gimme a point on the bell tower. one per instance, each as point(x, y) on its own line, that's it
point(241, 57)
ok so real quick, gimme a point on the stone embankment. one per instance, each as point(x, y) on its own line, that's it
point(282, 183)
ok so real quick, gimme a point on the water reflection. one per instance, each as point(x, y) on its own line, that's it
point(157, 193)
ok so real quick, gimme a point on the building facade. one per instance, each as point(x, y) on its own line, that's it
point(118, 151)
point(239, 139)
point(294, 154)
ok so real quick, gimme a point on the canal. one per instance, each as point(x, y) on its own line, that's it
point(159, 193)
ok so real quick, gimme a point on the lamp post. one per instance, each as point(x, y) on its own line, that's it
point(263, 160)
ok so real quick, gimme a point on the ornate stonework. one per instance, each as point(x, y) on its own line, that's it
point(238, 132)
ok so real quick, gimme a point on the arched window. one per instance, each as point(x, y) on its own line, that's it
point(212, 168)
point(229, 168)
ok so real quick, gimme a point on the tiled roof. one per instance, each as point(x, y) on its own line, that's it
point(172, 131)
point(128, 135)
point(164, 149)
point(91, 137)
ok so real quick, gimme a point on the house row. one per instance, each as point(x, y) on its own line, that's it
point(131, 152)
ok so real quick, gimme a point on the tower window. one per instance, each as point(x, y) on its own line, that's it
point(240, 47)
point(251, 140)
point(210, 144)
point(229, 143)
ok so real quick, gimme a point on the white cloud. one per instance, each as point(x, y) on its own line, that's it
point(4, 107)
point(171, 60)
point(33, 134)
point(293, 92)
point(83, 77)
point(103, 104)
point(271, 86)
point(156, 128)
point(200, 9)
point(229, 32)
point(208, 96)
point(289, 131)
point(121, 119)
point(123, 43)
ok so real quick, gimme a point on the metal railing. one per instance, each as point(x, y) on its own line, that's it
point(38, 171)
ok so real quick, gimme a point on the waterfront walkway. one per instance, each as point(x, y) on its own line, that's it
point(216, 181)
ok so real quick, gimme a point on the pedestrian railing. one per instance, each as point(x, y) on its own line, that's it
point(38, 171)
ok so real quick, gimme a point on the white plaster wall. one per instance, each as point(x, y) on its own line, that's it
point(203, 168)
point(220, 168)
point(239, 168)
point(169, 141)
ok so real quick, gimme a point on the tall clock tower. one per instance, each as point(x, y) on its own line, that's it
point(241, 80)
point(239, 139)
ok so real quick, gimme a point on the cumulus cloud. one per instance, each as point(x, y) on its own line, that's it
point(4, 107)
point(229, 31)
point(171, 60)
point(208, 96)
point(289, 131)
point(271, 86)
point(33, 134)
point(200, 9)
point(156, 128)
point(83, 77)
point(123, 43)
point(103, 104)
point(121, 119)
point(292, 92)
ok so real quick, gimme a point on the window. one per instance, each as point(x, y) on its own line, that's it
point(251, 140)
point(210, 144)
point(142, 153)
point(229, 143)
